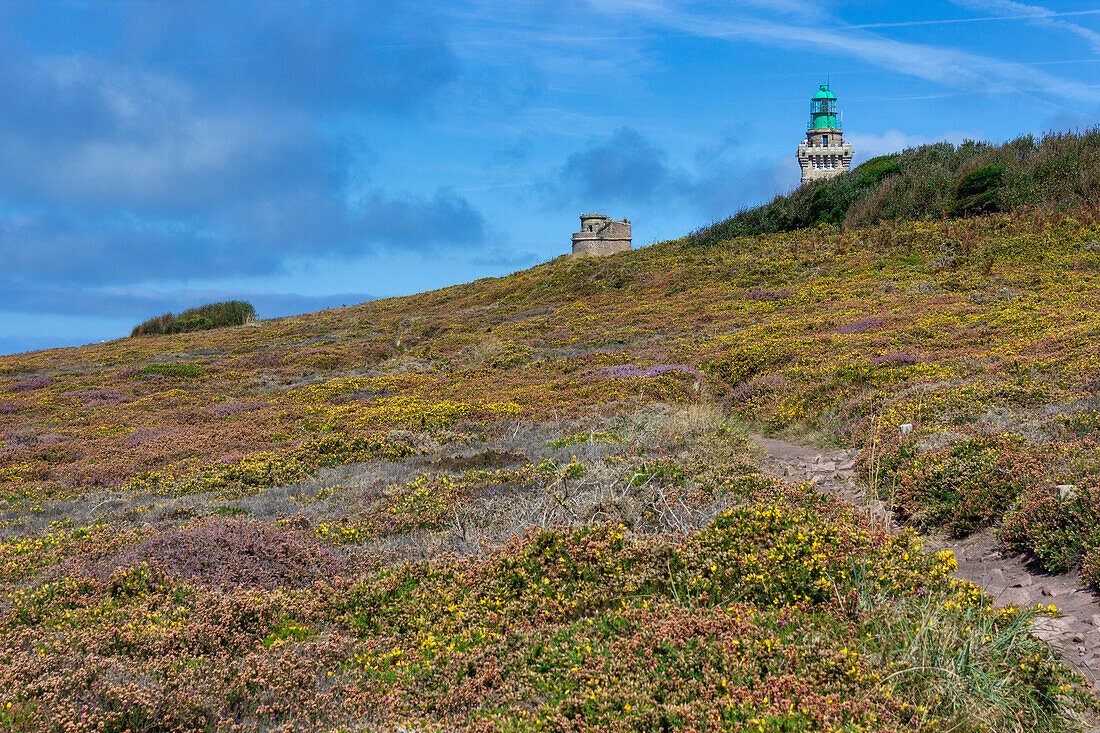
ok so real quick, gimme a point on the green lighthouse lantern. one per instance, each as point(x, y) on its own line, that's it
point(823, 111)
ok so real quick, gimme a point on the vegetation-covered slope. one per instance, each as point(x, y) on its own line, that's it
point(309, 521)
point(1058, 171)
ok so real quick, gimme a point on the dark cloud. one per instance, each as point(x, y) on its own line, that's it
point(41, 252)
point(367, 55)
point(149, 151)
point(415, 222)
point(626, 169)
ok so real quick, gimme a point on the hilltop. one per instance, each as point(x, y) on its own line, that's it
point(530, 502)
point(1058, 171)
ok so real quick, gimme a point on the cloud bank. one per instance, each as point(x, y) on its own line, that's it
point(212, 157)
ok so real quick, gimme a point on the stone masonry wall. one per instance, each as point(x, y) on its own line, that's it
point(831, 159)
point(601, 235)
point(600, 247)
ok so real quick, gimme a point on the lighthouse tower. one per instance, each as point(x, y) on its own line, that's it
point(824, 154)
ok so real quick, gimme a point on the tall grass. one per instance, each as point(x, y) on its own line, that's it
point(965, 666)
point(1057, 171)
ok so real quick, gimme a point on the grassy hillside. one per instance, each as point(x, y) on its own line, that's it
point(525, 502)
point(1059, 171)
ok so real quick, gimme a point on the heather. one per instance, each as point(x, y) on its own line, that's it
point(759, 604)
point(527, 502)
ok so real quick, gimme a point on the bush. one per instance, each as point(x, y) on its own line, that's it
point(231, 553)
point(1059, 533)
point(203, 318)
point(745, 362)
point(963, 488)
point(179, 371)
point(978, 192)
point(873, 171)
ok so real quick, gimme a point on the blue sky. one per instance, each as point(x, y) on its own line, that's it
point(159, 154)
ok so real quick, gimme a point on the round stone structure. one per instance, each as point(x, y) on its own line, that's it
point(601, 235)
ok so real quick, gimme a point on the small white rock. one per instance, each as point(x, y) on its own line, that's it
point(907, 428)
point(1067, 491)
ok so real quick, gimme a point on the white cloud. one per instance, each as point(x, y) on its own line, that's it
point(940, 64)
point(893, 141)
point(1036, 15)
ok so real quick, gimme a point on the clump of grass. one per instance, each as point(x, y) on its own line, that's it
point(202, 318)
point(585, 438)
point(180, 371)
point(961, 664)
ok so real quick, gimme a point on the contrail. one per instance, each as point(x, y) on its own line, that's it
point(904, 23)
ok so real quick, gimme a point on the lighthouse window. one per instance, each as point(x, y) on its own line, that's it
point(825, 140)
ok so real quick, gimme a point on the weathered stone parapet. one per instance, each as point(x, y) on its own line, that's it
point(824, 154)
point(601, 235)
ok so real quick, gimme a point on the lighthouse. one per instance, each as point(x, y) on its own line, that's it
point(824, 154)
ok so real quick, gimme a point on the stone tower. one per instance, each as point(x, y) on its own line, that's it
point(824, 154)
point(601, 235)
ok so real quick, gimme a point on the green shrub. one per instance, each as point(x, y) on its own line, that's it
point(978, 192)
point(191, 323)
point(873, 171)
point(181, 371)
point(1059, 532)
point(745, 362)
point(203, 318)
point(160, 324)
point(966, 487)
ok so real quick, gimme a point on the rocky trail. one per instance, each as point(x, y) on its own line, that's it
point(1010, 579)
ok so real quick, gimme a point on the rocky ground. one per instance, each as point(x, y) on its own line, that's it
point(1010, 579)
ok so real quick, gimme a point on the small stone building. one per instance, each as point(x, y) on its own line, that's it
point(601, 235)
point(824, 154)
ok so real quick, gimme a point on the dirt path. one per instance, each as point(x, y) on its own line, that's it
point(1009, 579)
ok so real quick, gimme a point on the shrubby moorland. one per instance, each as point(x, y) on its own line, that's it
point(528, 503)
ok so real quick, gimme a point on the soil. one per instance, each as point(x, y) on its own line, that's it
point(1010, 579)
